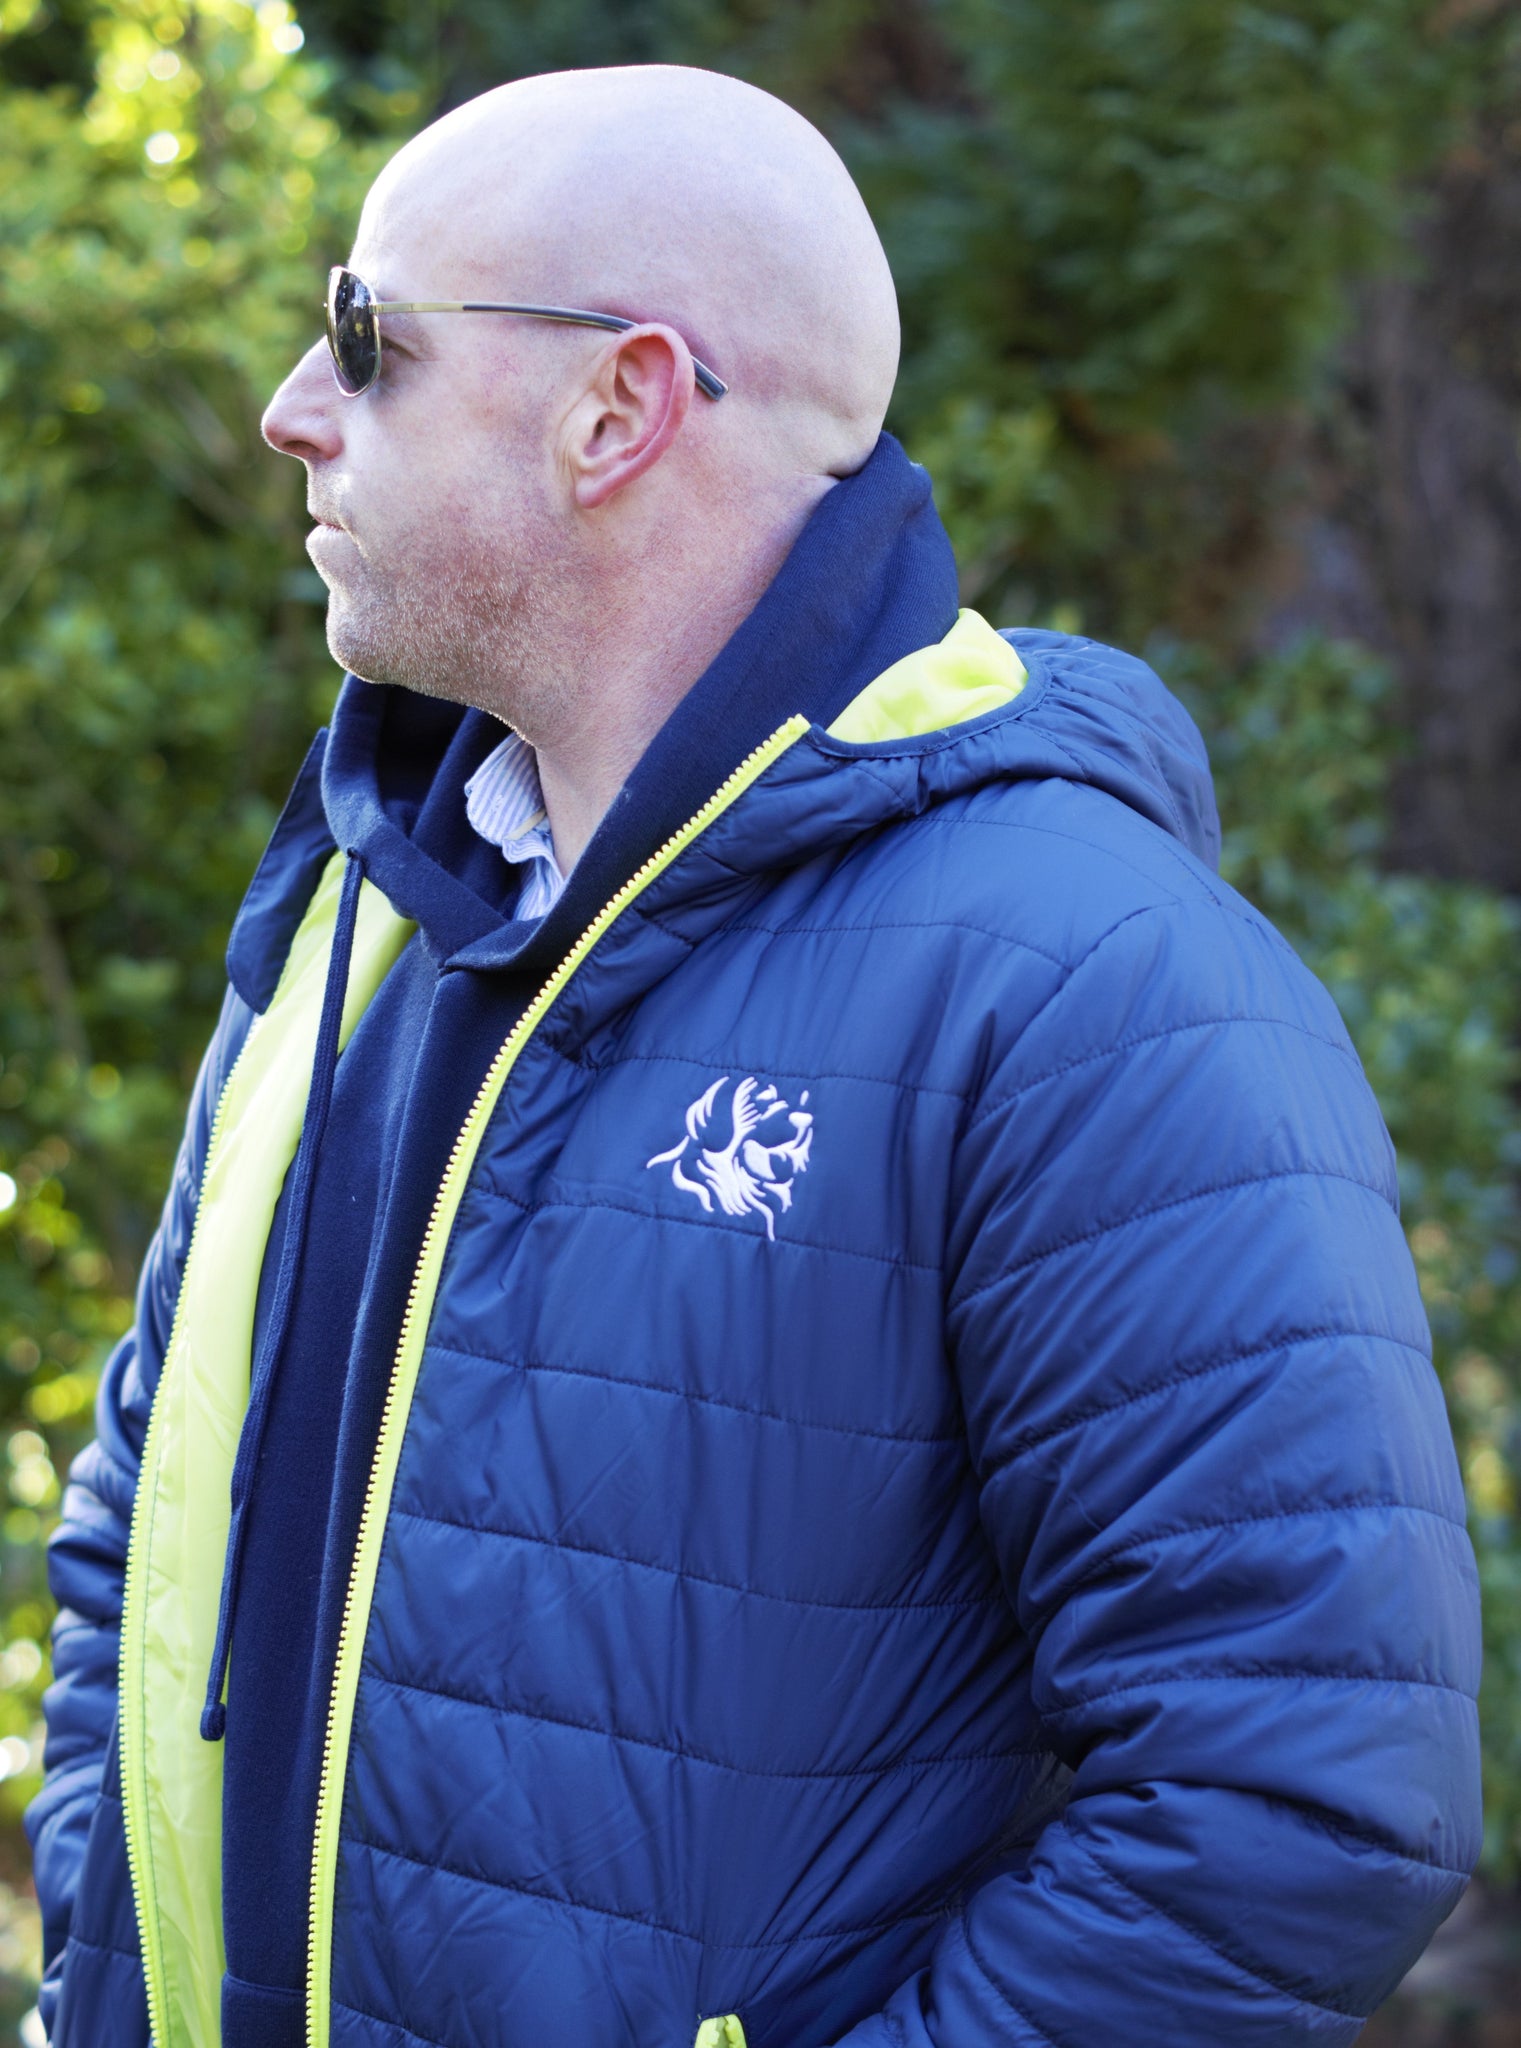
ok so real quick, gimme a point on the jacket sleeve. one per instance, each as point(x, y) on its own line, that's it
point(88, 1551)
point(1215, 1466)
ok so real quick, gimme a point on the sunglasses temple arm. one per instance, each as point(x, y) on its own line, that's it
point(710, 385)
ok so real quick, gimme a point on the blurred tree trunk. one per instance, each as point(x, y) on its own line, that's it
point(1417, 543)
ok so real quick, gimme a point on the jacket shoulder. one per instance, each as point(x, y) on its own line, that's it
point(1063, 871)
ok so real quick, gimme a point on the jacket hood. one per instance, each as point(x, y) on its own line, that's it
point(1077, 712)
point(869, 585)
point(1095, 715)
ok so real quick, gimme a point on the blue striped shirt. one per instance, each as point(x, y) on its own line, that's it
point(505, 804)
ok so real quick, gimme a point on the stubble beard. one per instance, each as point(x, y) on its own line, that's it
point(477, 633)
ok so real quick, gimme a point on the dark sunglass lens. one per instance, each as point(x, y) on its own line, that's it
point(351, 332)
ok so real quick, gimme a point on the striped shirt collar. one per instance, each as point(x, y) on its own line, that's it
point(505, 804)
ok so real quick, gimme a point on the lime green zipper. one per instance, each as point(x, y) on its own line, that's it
point(408, 1359)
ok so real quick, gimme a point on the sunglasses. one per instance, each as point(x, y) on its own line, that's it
point(353, 328)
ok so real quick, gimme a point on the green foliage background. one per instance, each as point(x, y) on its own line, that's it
point(1125, 232)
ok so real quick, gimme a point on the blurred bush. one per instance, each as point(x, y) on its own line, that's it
point(161, 662)
point(1124, 232)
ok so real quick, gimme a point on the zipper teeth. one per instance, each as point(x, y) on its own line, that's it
point(147, 1923)
point(319, 1948)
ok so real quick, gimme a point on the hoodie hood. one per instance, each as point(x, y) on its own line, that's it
point(870, 579)
point(870, 582)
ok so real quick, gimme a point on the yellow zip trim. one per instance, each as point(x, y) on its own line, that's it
point(408, 1359)
point(172, 1781)
point(132, 1673)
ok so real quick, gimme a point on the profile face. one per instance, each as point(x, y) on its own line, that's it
point(469, 517)
point(427, 490)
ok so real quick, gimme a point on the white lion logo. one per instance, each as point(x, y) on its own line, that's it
point(746, 1174)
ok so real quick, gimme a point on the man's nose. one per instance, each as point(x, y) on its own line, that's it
point(302, 417)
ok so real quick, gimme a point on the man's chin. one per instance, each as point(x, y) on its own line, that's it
point(356, 652)
point(376, 660)
point(348, 654)
point(354, 641)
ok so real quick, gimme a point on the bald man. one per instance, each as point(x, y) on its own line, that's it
point(796, 1412)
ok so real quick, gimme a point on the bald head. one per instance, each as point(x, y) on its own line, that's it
point(663, 193)
point(549, 521)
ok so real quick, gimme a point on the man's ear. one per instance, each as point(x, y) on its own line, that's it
point(630, 412)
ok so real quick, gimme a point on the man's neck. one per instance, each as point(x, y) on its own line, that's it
point(643, 667)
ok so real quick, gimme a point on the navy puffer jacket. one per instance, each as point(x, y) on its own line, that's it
point(981, 1561)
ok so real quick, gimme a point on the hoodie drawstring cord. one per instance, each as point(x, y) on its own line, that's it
point(303, 1174)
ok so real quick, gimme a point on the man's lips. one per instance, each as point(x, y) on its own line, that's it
point(317, 537)
point(322, 550)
